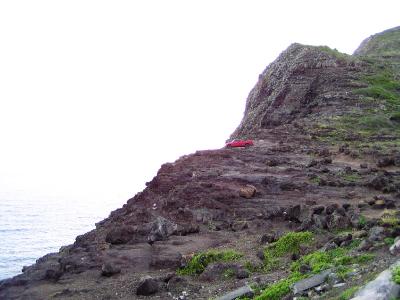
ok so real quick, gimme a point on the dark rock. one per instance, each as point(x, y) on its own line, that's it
point(162, 229)
point(120, 235)
point(260, 254)
point(331, 208)
point(329, 246)
point(385, 162)
point(319, 221)
point(147, 286)
point(242, 273)
point(376, 234)
point(239, 226)
point(362, 204)
point(341, 211)
point(215, 271)
point(360, 234)
point(293, 212)
point(311, 202)
point(304, 269)
point(345, 243)
point(268, 238)
point(108, 269)
point(53, 274)
point(378, 182)
point(336, 221)
point(346, 206)
point(272, 162)
point(364, 166)
point(318, 209)
point(295, 256)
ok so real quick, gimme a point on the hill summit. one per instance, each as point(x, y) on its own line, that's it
point(310, 210)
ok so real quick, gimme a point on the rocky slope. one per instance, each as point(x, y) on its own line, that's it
point(325, 163)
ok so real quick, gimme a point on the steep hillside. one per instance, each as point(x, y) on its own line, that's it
point(318, 191)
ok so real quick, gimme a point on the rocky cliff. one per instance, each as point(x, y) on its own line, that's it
point(322, 180)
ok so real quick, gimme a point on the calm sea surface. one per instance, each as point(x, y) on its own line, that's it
point(30, 229)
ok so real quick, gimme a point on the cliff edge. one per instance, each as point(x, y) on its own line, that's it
point(318, 191)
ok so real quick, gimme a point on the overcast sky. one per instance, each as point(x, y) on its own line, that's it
point(95, 95)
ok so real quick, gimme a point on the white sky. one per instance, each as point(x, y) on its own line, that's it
point(95, 95)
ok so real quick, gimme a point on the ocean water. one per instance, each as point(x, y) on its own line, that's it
point(30, 229)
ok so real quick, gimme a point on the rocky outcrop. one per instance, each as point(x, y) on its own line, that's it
point(304, 81)
point(306, 171)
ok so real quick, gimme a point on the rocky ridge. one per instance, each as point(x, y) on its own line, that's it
point(326, 162)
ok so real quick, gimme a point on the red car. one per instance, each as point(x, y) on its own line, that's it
point(240, 143)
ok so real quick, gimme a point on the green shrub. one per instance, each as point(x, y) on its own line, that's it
point(389, 241)
point(376, 92)
point(322, 260)
point(396, 274)
point(362, 221)
point(288, 244)
point(349, 293)
point(200, 261)
point(281, 288)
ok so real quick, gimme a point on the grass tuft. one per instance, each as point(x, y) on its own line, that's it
point(200, 261)
point(396, 274)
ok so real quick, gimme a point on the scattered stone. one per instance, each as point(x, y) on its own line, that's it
point(337, 221)
point(260, 254)
point(329, 246)
point(108, 269)
point(304, 269)
point(310, 282)
point(331, 208)
point(395, 248)
point(245, 291)
point(364, 166)
point(318, 209)
point(311, 202)
point(53, 274)
point(337, 285)
point(248, 191)
point(162, 229)
point(294, 256)
point(346, 206)
point(376, 234)
point(379, 182)
point(365, 245)
point(120, 235)
point(379, 204)
point(360, 234)
point(362, 204)
point(268, 238)
point(147, 286)
point(272, 162)
point(319, 221)
point(385, 162)
point(242, 273)
point(322, 288)
point(381, 288)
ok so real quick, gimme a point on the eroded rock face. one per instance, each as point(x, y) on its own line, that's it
point(303, 80)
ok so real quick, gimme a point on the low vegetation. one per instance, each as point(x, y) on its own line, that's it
point(290, 243)
point(348, 294)
point(389, 218)
point(281, 288)
point(200, 261)
point(396, 274)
